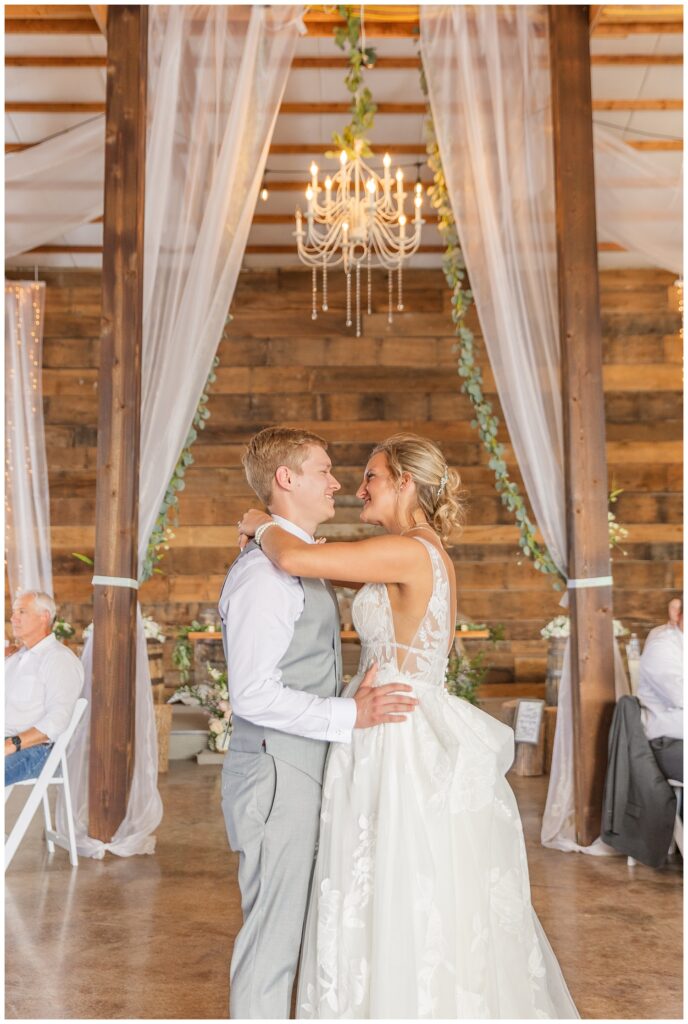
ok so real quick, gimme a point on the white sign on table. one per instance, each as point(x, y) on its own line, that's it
point(528, 721)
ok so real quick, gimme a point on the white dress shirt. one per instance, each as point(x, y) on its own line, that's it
point(42, 685)
point(660, 689)
point(260, 605)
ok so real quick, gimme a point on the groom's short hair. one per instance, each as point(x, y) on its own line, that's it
point(274, 447)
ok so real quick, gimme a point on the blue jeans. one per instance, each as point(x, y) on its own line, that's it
point(26, 764)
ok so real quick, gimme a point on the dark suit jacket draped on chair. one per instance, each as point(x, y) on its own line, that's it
point(639, 804)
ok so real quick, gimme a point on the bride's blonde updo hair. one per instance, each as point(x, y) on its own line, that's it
point(438, 488)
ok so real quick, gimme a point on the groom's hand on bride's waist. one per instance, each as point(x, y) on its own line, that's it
point(376, 705)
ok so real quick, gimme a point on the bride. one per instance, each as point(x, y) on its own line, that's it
point(420, 904)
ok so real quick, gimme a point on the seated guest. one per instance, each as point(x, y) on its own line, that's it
point(43, 680)
point(660, 692)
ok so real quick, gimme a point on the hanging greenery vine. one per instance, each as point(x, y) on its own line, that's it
point(362, 106)
point(485, 420)
point(168, 516)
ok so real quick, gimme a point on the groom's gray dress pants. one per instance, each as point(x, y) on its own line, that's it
point(271, 811)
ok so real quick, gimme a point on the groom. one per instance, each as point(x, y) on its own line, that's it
point(281, 641)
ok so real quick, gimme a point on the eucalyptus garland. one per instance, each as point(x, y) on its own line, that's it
point(354, 137)
point(168, 516)
point(485, 421)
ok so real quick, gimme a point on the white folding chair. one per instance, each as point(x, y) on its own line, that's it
point(48, 777)
point(677, 837)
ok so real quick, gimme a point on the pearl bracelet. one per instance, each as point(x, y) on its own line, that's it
point(261, 530)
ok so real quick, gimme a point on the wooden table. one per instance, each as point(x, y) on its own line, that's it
point(351, 635)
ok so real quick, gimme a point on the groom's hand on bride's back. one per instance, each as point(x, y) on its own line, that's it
point(376, 705)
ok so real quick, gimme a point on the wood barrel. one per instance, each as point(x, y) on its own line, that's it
point(157, 669)
point(555, 663)
point(163, 727)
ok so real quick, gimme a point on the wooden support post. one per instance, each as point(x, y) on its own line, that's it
point(119, 381)
point(592, 655)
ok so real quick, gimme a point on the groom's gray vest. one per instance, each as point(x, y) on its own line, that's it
point(311, 663)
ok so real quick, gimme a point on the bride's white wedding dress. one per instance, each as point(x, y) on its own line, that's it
point(420, 905)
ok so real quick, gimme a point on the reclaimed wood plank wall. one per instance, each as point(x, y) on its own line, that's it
point(280, 366)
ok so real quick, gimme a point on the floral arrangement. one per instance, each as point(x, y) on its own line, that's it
point(214, 698)
point(464, 675)
point(182, 652)
point(560, 627)
point(617, 533)
point(63, 630)
point(151, 629)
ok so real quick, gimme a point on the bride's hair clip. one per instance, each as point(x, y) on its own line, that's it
point(443, 483)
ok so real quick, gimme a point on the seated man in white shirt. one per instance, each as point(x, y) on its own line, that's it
point(660, 692)
point(43, 680)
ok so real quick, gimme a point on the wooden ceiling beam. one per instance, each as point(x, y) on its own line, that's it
point(396, 148)
point(607, 30)
point(38, 12)
point(60, 107)
point(637, 104)
point(288, 218)
point(51, 61)
point(304, 148)
point(74, 107)
point(637, 58)
point(51, 27)
point(251, 250)
point(383, 63)
point(299, 186)
point(657, 145)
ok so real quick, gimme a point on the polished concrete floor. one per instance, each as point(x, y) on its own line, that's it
point(150, 937)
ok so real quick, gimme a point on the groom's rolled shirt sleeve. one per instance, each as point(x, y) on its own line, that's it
point(260, 606)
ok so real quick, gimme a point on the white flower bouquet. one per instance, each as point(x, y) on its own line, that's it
point(560, 627)
point(63, 630)
point(214, 698)
point(151, 629)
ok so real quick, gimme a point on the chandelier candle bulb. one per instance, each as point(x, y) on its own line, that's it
point(370, 186)
point(314, 176)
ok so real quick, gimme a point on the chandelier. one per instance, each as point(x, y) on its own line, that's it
point(357, 220)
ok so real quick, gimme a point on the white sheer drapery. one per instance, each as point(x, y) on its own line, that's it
point(27, 505)
point(216, 81)
point(54, 187)
point(487, 70)
point(639, 205)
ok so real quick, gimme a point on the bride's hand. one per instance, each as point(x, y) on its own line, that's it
point(250, 523)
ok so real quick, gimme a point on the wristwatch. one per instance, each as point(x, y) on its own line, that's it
point(17, 741)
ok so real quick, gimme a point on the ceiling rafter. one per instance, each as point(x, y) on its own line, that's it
point(254, 250)
point(313, 63)
point(398, 148)
point(392, 109)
